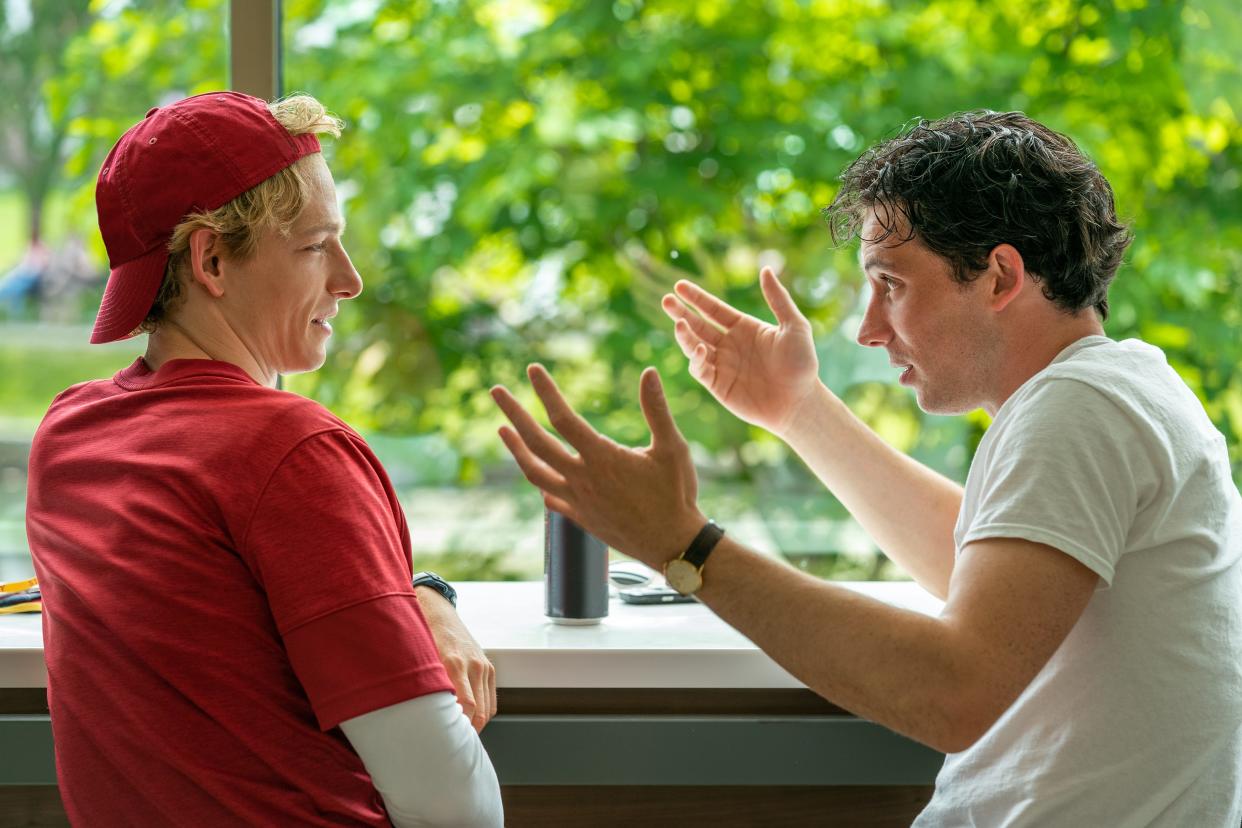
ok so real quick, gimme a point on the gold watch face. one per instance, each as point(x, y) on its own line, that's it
point(683, 576)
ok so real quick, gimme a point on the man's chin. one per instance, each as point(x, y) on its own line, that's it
point(931, 403)
point(305, 366)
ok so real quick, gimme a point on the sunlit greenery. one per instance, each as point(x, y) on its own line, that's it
point(526, 180)
point(523, 180)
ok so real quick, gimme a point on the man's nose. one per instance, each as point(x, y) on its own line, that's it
point(347, 282)
point(874, 332)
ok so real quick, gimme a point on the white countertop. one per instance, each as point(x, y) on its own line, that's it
point(672, 645)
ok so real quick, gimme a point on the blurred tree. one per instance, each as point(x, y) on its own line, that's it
point(525, 179)
point(34, 131)
point(77, 73)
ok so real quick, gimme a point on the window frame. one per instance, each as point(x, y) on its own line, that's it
point(254, 48)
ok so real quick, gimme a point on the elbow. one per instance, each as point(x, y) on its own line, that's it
point(448, 813)
point(957, 738)
point(455, 806)
point(965, 721)
point(462, 792)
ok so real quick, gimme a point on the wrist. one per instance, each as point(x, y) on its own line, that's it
point(685, 572)
point(429, 587)
point(680, 537)
point(804, 415)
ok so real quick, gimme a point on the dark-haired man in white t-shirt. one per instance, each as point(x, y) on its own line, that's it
point(1087, 667)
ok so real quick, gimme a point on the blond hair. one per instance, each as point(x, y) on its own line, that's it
point(273, 203)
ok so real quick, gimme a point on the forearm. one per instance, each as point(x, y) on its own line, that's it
point(902, 669)
point(427, 763)
point(908, 509)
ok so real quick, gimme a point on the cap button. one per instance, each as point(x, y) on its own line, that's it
point(151, 111)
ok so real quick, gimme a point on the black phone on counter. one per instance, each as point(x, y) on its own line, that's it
point(654, 595)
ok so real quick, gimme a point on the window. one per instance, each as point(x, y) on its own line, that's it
point(524, 180)
point(75, 75)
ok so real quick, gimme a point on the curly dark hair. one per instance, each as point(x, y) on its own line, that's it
point(970, 181)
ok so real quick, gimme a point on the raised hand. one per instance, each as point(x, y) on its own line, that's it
point(760, 372)
point(639, 501)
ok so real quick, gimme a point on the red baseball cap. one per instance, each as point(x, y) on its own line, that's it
point(193, 155)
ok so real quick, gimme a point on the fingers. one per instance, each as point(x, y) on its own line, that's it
point(461, 683)
point(540, 474)
point(660, 420)
point(558, 504)
point(702, 366)
point(712, 308)
point(475, 684)
point(576, 431)
point(725, 315)
point(686, 338)
point(491, 690)
point(778, 299)
point(484, 690)
point(537, 440)
point(692, 322)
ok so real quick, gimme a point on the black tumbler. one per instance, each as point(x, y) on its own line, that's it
point(575, 572)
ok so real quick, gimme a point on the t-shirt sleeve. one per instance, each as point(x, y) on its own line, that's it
point(328, 546)
point(1069, 473)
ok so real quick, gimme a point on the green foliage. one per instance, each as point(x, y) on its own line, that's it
point(77, 74)
point(470, 566)
point(35, 373)
point(525, 181)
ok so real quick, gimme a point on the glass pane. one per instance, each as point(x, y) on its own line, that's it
point(76, 75)
point(524, 180)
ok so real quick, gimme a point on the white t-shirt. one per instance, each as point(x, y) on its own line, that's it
point(1136, 720)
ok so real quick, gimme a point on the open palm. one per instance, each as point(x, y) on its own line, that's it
point(760, 372)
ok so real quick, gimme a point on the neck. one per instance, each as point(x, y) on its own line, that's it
point(173, 340)
point(1032, 349)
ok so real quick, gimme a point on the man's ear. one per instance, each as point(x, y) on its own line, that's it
point(205, 264)
point(1008, 275)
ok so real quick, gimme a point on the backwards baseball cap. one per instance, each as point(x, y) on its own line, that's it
point(191, 156)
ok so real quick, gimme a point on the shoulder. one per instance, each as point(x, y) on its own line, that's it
point(1058, 407)
point(257, 414)
point(1112, 391)
point(300, 414)
point(1131, 373)
point(77, 395)
point(68, 407)
point(309, 443)
point(304, 439)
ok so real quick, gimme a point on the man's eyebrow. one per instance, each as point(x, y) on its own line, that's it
point(337, 227)
point(873, 262)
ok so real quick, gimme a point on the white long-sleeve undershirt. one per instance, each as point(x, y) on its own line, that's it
point(427, 763)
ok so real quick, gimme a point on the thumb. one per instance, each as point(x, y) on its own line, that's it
point(655, 410)
point(778, 299)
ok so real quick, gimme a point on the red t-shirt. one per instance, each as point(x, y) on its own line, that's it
point(226, 577)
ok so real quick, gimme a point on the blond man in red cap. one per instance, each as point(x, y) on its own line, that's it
point(232, 630)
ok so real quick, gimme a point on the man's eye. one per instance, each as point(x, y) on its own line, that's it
point(316, 247)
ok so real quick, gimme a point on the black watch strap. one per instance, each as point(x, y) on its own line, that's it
point(703, 544)
point(434, 581)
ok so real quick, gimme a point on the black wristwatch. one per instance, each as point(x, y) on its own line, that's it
point(434, 581)
point(685, 574)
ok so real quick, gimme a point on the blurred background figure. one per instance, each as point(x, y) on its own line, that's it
point(21, 286)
